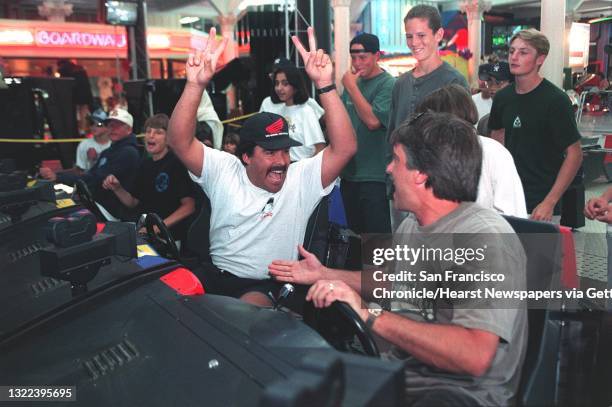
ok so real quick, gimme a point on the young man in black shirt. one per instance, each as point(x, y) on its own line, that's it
point(161, 184)
point(535, 121)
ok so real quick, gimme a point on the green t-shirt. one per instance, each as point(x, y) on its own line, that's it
point(369, 163)
point(539, 126)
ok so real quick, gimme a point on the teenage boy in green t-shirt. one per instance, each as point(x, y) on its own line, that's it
point(367, 98)
point(535, 121)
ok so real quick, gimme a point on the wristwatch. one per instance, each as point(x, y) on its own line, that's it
point(326, 89)
point(374, 311)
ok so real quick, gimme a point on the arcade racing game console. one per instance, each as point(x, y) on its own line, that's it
point(122, 332)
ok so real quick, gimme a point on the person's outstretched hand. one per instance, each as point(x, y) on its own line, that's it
point(201, 64)
point(318, 64)
point(305, 271)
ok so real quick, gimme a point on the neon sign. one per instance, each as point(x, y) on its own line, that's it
point(80, 39)
point(16, 37)
point(43, 39)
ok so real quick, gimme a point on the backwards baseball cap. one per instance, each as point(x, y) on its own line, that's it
point(269, 131)
point(98, 116)
point(121, 115)
point(369, 42)
point(282, 62)
point(498, 70)
point(279, 63)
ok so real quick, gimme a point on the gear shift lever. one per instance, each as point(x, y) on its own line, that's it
point(284, 293)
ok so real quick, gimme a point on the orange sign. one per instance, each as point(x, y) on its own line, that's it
point(44, 39)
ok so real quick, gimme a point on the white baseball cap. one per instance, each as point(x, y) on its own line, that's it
point(121, 115)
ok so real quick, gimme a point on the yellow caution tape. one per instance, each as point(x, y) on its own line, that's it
point(235, 119)
point(21, 140)
point(41, 141)
point(78, 140)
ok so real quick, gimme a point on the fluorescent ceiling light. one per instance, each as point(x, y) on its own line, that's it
point(254, 3)
point(188, 20)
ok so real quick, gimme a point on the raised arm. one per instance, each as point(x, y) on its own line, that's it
point(342, 142)
point(362, 106)
point(199, 69)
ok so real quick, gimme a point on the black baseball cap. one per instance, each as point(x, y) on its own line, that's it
point(498, 70)
point(369, 42)
point(278, 63)
point(282, 62)
point(267, 130)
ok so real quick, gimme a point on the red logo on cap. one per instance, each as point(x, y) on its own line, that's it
point(275, 127)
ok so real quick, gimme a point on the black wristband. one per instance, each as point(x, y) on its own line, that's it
point(326, 89)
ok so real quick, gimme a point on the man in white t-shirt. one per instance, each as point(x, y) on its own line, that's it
point(89, 149)
point(260, 206)
point(491, 78)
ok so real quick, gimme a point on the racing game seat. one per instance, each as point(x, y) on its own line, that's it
point(197, 244)
point(539, 382)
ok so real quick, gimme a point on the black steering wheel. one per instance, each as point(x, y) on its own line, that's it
point(339, 325)
point(87, 199)
point(163, 241)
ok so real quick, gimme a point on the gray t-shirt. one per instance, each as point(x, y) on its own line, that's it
point(409, 92)
point(470, 225)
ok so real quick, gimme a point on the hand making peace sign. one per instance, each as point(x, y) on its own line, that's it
point(318, 64)
point(201, 64)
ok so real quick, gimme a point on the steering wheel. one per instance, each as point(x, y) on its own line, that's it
point(87, 199)
point(339, 325)
point(164, 240)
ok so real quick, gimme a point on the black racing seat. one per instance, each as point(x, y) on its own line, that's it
point(196, 248)
point(316, 238)
point(539, 383)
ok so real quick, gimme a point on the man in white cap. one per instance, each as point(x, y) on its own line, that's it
point(121, 159)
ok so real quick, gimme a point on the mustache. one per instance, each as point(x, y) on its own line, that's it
point(278, 168)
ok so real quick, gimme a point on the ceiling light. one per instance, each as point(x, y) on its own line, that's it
point(188, 19)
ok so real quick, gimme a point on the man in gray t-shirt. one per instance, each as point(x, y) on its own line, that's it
point(468, 226)
point(459, 350)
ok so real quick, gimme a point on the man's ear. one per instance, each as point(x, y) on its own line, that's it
point(246, 159)
point(421, 177)
point(438, 35)
point(540, 60)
